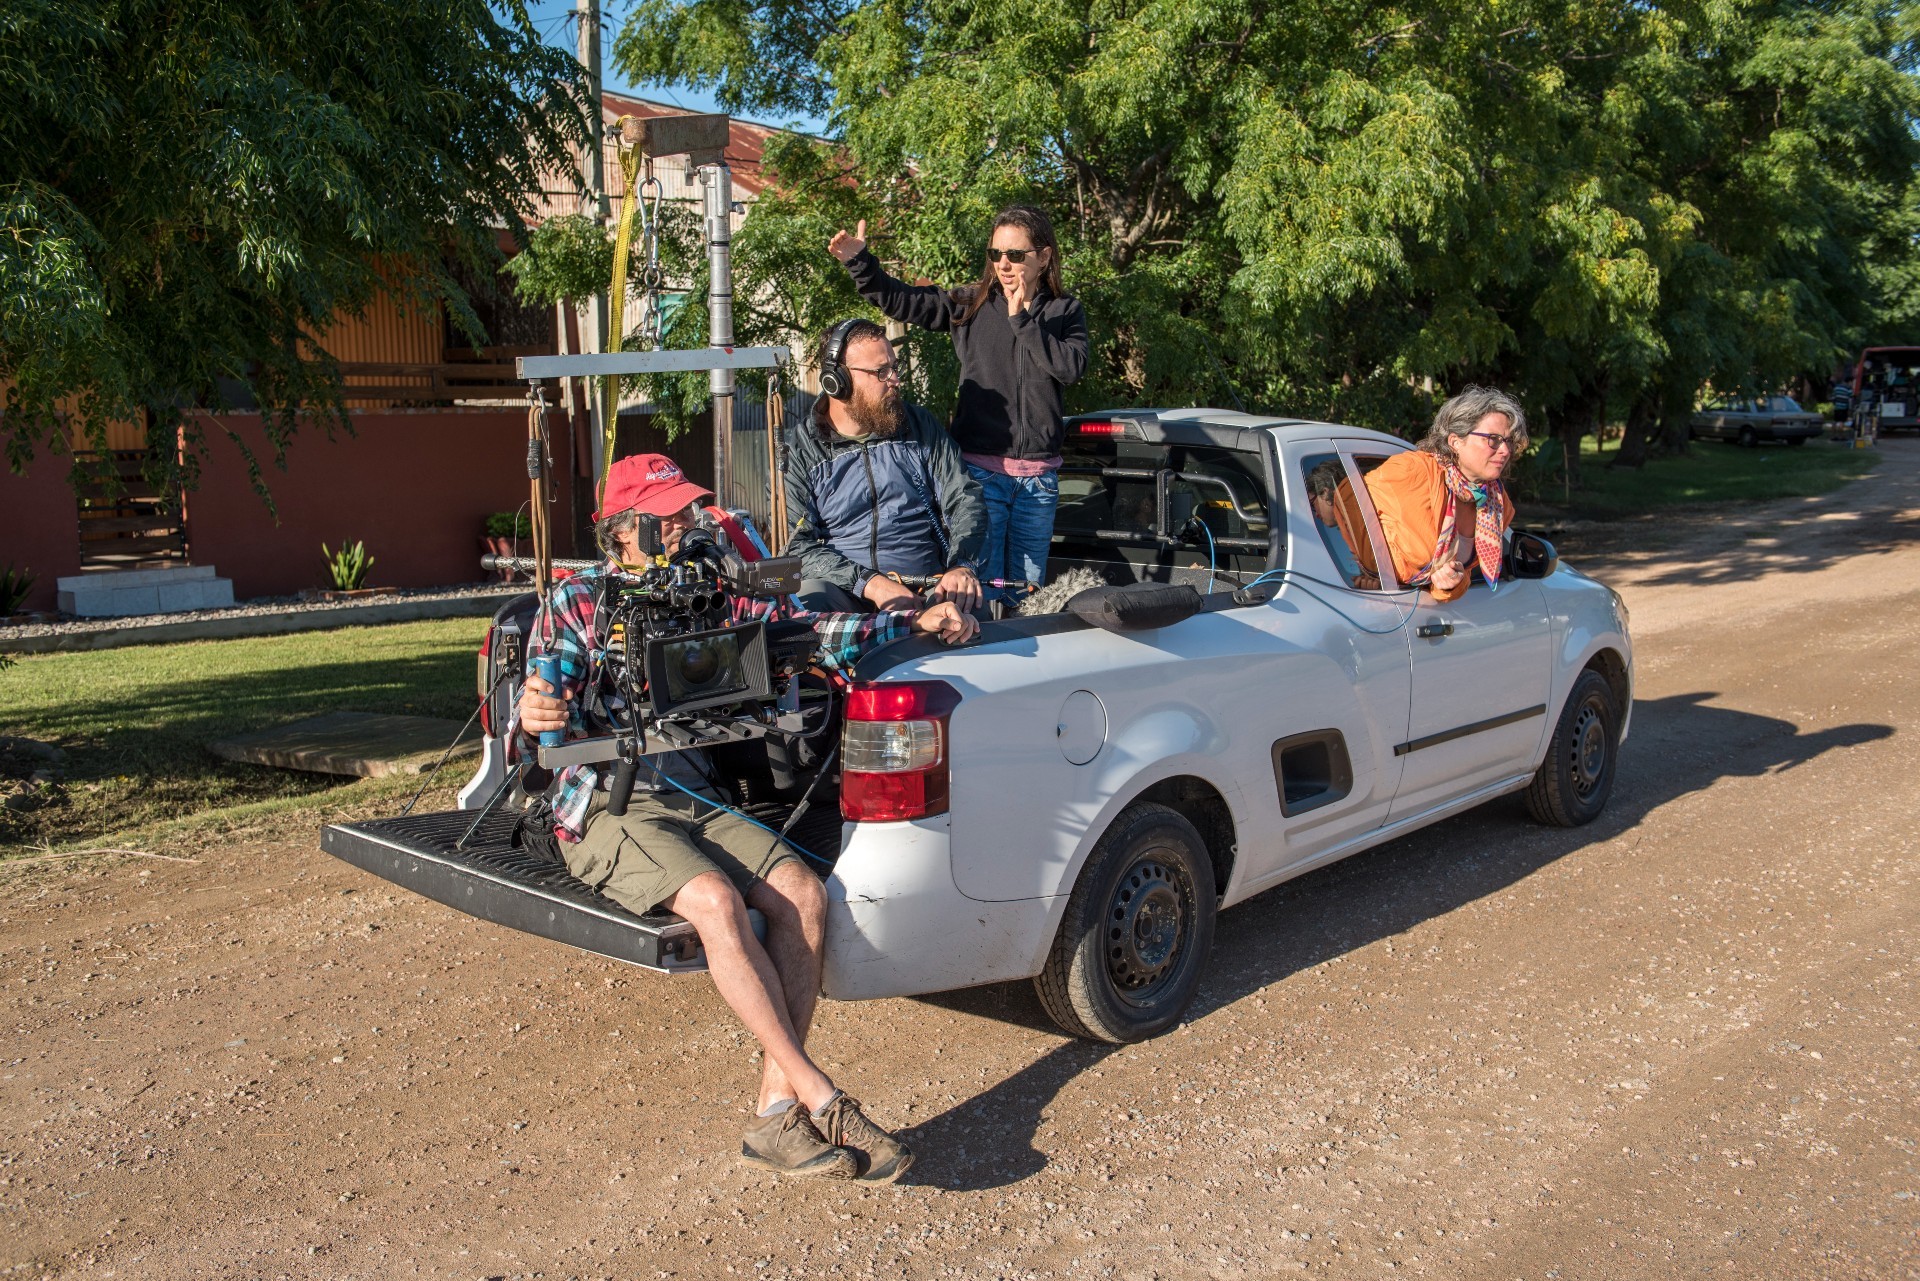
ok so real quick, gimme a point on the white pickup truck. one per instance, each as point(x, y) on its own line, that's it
point(1079, 799)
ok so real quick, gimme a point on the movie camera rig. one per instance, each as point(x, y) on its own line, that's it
point(676, 670)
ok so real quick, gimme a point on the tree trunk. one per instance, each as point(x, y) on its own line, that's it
point(1641, 420)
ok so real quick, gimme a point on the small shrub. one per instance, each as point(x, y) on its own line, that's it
point(515, 524)
point(14, 586)
point(348, 567)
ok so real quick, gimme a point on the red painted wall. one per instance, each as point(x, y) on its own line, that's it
point(415, 485)
point(40, 525)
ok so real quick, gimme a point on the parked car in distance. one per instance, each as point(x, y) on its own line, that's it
point(1748, 420)
point(1886, 391)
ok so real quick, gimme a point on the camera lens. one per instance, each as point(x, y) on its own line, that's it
point(699, 664)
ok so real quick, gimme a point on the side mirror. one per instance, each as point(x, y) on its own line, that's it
point(1531, 556)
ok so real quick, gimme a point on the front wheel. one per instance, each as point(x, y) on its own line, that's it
point(1137, 931)
point(1572, 785)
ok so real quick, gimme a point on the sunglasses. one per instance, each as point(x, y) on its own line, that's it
point(885, 373)
point(1495, 442)
point(1014, 256)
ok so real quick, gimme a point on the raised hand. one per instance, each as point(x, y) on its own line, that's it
point(846, 248)
point(1017, 296)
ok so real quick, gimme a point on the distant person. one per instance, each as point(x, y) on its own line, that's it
point(1443, 506)
point(1020, 341)
point(876, 490)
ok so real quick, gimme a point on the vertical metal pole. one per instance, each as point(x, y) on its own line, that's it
point(717, 179)
point(593, 203)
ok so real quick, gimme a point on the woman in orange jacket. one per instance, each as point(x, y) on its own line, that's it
point(1442, 506)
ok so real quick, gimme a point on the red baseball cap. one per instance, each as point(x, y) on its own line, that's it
point(652, 483)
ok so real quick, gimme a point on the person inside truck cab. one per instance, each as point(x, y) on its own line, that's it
point(1330, 494)
point(679, 848)
point(876, 490)
point(1443, 506)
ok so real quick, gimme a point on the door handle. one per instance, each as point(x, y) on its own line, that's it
point(1433, 631)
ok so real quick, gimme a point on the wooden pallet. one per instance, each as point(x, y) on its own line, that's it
point(130, 525)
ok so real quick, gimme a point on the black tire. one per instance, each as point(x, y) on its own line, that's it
point(1137, 931)
point(1572, 785)
point(1749, 438)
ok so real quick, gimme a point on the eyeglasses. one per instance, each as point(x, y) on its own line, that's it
point(885, 373)
point(1495, 442)
point(1014, 256)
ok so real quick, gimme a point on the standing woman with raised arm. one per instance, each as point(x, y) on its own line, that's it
point(1020, 340)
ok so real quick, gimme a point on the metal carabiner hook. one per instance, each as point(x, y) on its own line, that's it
point(648, 196)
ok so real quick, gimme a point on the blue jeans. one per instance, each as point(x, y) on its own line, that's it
point(1019, 528)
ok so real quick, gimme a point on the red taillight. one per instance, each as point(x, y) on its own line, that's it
point(894, 751)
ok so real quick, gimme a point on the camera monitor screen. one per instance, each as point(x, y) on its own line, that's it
point(702, 669)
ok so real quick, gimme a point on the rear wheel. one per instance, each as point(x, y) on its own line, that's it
point(1749, 438)
point(1572, 785)
point(1137, 930)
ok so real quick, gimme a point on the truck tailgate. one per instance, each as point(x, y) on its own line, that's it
point(493, 881)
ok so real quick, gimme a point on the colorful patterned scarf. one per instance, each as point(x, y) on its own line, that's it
point(1489, 499)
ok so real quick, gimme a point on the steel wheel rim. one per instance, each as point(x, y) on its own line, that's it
point(1147, 923)
point(1589, 749)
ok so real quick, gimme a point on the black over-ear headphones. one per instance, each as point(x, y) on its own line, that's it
point(835, 381)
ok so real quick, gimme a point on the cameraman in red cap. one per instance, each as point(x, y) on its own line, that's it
point(678, 847)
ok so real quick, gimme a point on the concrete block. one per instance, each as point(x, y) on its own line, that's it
point(122, 601)
point(135, 577)
point(199, 593)
point(353, 743)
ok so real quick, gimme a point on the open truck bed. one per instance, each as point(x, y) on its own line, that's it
point(493, 881)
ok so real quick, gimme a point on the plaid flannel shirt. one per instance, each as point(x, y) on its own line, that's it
point(564, 627)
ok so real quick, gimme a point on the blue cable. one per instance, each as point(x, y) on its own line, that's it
point(1209, 534)
point(787, 840)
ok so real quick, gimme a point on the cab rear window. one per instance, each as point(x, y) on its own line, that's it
point(1173, 504)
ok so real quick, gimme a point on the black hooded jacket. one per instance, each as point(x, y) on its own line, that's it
point(1012, 368)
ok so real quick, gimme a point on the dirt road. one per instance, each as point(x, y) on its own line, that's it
point(1683, 1040)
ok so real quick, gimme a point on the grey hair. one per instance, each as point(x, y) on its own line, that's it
point(607, 531)
point(1458, 416)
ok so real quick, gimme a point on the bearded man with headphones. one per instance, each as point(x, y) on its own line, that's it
point(877, 489)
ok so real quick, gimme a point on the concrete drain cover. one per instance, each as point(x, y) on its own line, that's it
point(360, 743)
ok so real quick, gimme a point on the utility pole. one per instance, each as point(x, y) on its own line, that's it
point(594, 204)
point(717, 181)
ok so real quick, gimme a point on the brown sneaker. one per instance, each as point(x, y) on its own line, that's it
point(789, 1143)
point(883, 1158)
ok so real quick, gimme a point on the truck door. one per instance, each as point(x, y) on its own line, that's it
point(1481, 667)
point(1335, 771)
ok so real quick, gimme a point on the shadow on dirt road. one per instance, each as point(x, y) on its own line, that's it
point(1679, 745)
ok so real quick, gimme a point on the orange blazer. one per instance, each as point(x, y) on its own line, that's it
point(1411, 498)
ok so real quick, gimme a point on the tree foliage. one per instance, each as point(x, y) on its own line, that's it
point(1350, 209)
point(190, 191)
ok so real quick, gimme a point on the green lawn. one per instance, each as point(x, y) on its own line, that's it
point(1710, 472)
point(135, 722)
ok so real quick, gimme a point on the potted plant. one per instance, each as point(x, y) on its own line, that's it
point(15, 584)
point(508, 534)
point(347, 570)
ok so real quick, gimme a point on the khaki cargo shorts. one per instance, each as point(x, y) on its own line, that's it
point(641, 859)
